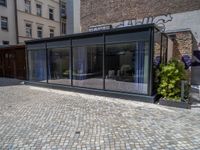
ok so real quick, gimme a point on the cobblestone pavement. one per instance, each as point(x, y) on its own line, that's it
point(38, 118)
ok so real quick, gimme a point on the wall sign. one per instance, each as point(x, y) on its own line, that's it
point(160, 21)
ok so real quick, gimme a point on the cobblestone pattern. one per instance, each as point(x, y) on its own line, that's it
point(38, 118)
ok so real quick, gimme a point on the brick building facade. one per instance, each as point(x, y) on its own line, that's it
point(178, 18)
point(109, 11)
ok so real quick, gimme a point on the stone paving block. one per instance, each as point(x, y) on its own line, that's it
point(38, 118)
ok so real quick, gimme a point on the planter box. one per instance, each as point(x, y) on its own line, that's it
point(174, 104)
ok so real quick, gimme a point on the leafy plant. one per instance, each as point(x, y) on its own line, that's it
point(170, 77)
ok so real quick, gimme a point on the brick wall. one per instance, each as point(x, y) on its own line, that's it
point(95, 12)
point(183, 44)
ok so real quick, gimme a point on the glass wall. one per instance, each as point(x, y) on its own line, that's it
point(157, 59)
point(164, 49)
point(157, 48)
point(111, 61)
point(37, 65)
point(127, 67)
point(59, 63)
point(88, 66)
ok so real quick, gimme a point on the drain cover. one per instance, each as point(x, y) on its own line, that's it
point(77, 132)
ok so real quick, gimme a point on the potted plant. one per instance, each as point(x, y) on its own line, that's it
point(169, 88)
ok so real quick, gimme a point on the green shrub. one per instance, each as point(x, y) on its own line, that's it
point(170, 76)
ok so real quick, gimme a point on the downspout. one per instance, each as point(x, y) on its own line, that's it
point(16, 22)
point(60, 17)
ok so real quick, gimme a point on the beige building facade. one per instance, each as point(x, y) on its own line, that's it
point(38, 19)
point(7, 22)
point(23, 20)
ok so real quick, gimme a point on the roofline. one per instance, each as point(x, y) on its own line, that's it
point(168, 32)
point(12, 47)
point(95, 33)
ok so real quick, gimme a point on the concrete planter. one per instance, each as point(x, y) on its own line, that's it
point(174, 104)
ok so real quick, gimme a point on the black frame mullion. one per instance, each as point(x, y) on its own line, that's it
point(47, 62)
point(161, 49)
point(71, 59)
point(166, 49)
point(151, 59)
point(27, 63)
point(104, 52)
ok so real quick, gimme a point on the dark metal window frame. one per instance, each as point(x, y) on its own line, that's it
point(3, 3)
point(4, 23)
point(103, 34)
point(5, 42)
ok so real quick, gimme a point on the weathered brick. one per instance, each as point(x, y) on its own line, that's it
point(95, 12)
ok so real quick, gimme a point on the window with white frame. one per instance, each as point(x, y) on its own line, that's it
point(28, 29)
point(39, 9)
point(51, 33)
point(51, 14)
point(39, 32)
point(3, 2)
point(27, 6)
point(4, 23)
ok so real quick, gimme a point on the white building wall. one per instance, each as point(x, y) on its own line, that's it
point(187, 20)
point(35, 20)
point(8, 12)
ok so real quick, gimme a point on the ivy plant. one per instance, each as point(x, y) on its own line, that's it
point(170, 76)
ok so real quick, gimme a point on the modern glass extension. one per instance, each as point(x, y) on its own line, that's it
point(117, 60)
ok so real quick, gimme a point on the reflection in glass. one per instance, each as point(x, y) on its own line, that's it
point(87, 66)
point(157, 48)
point(164, 49)
point(37, 65)
point(59, 66)
point(157, 59)
point(127, 67)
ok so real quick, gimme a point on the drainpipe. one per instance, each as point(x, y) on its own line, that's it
point(16, 21)
point(60, 17)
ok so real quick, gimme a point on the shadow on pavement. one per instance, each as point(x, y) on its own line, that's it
point(10, 82)
point(195, 97)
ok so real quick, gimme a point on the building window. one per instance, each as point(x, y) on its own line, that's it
point(51, 14)
point(39, 9)
point(28, 30)
point(3, 2)
point(39, 32)
point(59, 66)
point(63, 26)
point(87, 66)
point(4, 23)
point(5, 42)
point(51, 33)
point(27, 6)
point(37, 65)
point(126, 67)
point(63, 9)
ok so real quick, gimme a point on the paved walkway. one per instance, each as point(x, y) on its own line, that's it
point(38, 118)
